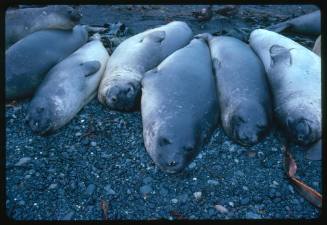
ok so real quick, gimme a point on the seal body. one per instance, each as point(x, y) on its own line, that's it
point(28, 60)
point(22, 22)
point(68, 86)
point(306, 24)
point(317, 47)
point(294, 74)
point(243, 91)
point(179, 106)
point(120, 88)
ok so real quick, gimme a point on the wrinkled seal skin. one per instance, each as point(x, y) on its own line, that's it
point(294, 75)
point(243, 91)
point(306, 24)
point(28, 60)
point(22, 22)
point(317, 47)
point(179, 107)
point(120, 88)
point(68, 87)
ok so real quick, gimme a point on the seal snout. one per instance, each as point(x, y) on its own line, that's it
point(39, 120)
point(302, 132)
point(121, 97)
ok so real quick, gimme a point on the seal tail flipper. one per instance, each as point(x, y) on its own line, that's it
point(279, 27)
point(279, 53)
point(314, 151)
point(90, 67)
point(155, 36)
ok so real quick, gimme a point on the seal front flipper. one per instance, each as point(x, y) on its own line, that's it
point(279, 27)
point(155, 36)
point(90, 67)
point(280, 54)
point(205, 36)
point(314, 151)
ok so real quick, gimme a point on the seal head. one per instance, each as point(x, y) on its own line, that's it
point(39, 116)
point(248, 127)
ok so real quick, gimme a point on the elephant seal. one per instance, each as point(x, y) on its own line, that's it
point(22, 22)
point(68, 86)
point(120, 88)
point(179, 106)
point(317, 47)
point(306, 24)
point(28, 60)
point(294, 75)
point(243, 91)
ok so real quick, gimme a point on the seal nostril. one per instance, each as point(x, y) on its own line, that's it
point(164, 141)
point(113, 98)
point(172, 163)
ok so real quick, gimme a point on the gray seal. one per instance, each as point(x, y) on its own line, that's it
point(243, 91)
point(294, 75)
point(317, 47)
point(28, 60)
point(68, 87)
point(22, 22)
point(179, 106)
point(306, 24)
point(120, 88)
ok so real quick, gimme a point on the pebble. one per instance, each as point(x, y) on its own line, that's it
point(174, 200)
point(68, 216)
point(213, 182)
point(231, 204)
point(85, 142)
point(163, 191)
point(245, 201)
point(245, 188)
point(192, 165)
point(90, 189)
point(291, 189)
point(147, 180)
point(197, 195)
point(252, 215)
point(78, 134)
point(23, 161)
point(146, 189)
point(221, 209)
point(53, 186)
point(109, 190)
point(183, 198)
point(93, 143)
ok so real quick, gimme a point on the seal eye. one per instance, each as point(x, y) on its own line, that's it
point(188, 148)
point(163, 141)
point(129, 91)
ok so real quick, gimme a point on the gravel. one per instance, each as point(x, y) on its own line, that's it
point(65, 176)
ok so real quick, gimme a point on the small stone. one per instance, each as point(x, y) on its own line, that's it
point(291, 189)
point(174, 200)
point(109, 190)
point(23, 161)
point(231, 204)
point(53, 186)
point(163, 191)
point(245, 201)
point(236, 160)
point(146, 189)
point(68, 216)
point(239, 173)
point(221, 209)
point(183, 198)
point(27, 176)
point(213, 182)
point(245, 188)
point(90, 189)
point(85, 142)
point(78, 134)
point(192, 165)
point(252, 215)
point(147, 180)
point(275, 183)
point(21, 202)
point(197, 195)
point(93, 143)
